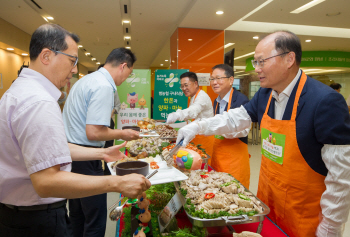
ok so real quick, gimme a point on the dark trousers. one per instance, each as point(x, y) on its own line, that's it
point(51, 222)
point(88, 215)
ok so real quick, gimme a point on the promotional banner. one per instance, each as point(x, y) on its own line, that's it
point(135, 98)
point(168, 97)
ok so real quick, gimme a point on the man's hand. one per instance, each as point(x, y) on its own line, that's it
point(129, 134)
point(113, 153)
point(133, 185)
point(187, 133)
point(172, 118)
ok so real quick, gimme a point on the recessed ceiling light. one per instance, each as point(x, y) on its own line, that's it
point(80, 46)
point(128, 47)
point(93, 59)
point(228, 45)
point(307, 6)
point(219, 12)
point(87, 54)
point(173, 61)
point(256, 37)
point(189, 39)
point(127, 37)
point(98, 63)
point(166, 60)
point(24, 54)
point(126, 21)
point(161, 64)
point(50, 18)
point(308, 41)
point(10, 49)
point(179, 50)
point(245, 55)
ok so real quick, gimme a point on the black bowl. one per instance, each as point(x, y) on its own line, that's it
point(137, 129)
point(129, 167)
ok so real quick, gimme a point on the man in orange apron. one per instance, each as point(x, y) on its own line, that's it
point(230, 153)
point(305, 132)
point(200, 107)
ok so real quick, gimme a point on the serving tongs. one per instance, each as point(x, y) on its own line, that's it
point(169, 157)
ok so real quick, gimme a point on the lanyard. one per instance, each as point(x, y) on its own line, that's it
point(194, 97)
point(229, 102)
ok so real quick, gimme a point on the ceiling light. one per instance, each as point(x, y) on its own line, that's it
point(93, 59)
point(308, 41)
point(24, 54)
point(256, 37)
point(161, 64)
point(179, 50)
point(80, 46)
point(87, 54)
point(98, 63)
point(50, 18)
point(127, 37)
point(166, 60)
point(10, 49)
point(189, 39)
point(245, 55)
point(126, 21)
point(128, 47)
point(228, 45)
point(307, 6)
point(219, 12)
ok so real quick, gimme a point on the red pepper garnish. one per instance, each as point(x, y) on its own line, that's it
point(204, 176)
point(209, 195)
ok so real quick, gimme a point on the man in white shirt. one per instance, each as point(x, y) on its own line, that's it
point(305, 130)
point(200, 107)
point(35, 159)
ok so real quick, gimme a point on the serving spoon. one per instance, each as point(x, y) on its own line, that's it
point(117, 212)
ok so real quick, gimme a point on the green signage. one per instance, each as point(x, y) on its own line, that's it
point(168, 97)
point(316, 59)
point(272, 145)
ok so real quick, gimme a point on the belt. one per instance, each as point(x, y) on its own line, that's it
point(41, 207)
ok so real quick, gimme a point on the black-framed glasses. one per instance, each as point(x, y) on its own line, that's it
point(260, 62)
point(218, 79)
point(76, 58)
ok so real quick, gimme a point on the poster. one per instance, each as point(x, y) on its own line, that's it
point(203, 79)
point(135, 98)
point(168, 97)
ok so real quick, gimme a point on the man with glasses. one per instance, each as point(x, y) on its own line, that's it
point(200, 107)
point(230, 151)
point(305, 131)
point(35, 159)
point(86, 117)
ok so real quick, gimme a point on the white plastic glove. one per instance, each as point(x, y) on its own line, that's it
point(187, 133)
point(328, 229)
point(172, 118)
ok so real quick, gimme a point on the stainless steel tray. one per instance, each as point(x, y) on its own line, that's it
point(226, 220)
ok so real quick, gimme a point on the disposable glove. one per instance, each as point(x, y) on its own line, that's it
point(188, 133)
point(329, 229)
point(172, 118)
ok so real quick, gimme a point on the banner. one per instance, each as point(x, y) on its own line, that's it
point(135, 98)
point(168, 97)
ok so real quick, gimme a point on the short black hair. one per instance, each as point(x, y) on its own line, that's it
point(191, 75)
point(287, 41)
point(121, 55)
point(228, 69)
point(335, 86)
point(49, 36)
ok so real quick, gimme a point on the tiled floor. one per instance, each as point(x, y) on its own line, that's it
point(255, 161)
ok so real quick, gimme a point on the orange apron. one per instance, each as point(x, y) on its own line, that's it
point(231, 156)
point(288, 186)
point(206, 142)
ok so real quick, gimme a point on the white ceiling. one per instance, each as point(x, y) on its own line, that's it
point(99, 23)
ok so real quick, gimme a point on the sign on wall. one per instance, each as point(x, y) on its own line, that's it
point(203, 79)
point(168, 97)
point(135, 98)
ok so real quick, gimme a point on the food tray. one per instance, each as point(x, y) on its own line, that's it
point(226, 220)
point(164, 175)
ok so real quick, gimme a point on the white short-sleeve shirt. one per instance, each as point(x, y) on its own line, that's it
point(32, 137)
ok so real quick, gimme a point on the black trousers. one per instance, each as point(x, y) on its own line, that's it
point(51, 222)
point(88, 215)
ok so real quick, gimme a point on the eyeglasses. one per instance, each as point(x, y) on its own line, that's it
point(260, 62)
point(218, 79)
point(185, 86)
point(76, 58)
